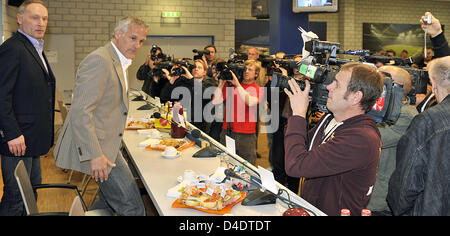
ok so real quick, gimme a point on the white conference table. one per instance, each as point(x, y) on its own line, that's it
point(159, 174)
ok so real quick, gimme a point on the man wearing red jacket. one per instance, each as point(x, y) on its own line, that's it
point(338, 157)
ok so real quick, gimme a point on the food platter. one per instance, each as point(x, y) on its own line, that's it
point(140, 124)
point(179, 144)
point(214, 200)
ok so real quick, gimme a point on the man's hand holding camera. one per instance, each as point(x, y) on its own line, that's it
point(235, 81)
point(299, 99)
point(434, 27)
point(172, 78)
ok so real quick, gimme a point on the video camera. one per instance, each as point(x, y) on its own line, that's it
point(169, 65)
point(225, 70)
point(419, 77)
point(200, 53)
point(320, 77)
point(272, 65)
point(322, 71)
point(153, 52)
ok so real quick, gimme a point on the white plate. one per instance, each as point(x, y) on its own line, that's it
point(171, 157)
point(180, 178)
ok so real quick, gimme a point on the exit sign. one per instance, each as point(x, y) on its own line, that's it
point(167, 14)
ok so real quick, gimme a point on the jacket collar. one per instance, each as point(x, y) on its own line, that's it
point(119, 71)
point(29, 46)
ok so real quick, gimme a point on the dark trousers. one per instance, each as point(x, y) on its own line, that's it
point(276, 159)
point(12, 203)
point(245, 144)
point(215, 130)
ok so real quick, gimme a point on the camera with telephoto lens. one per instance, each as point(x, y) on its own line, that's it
point(224, 69)
point(273, 65)
point(175, 68)
point(321, 72)
point(320, 76)
point(419, 77)
point(153, 52)
point(200, 53)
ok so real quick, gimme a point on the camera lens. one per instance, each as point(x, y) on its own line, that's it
point(281, 81)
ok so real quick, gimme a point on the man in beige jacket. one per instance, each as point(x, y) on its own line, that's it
point(92, 133)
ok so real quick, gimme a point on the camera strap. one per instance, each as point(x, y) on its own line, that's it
point(425, 42)
point(328, 131)
point(317, 130)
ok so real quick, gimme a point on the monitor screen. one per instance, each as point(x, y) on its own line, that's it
point(314, 6)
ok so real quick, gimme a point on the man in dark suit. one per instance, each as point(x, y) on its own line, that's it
point(27, 98)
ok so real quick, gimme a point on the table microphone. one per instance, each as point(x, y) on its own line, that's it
point(209, 151)
point(256, 197)
point(262, 197)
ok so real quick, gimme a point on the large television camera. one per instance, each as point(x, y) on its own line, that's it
point(321, 71)
point(320, 77)
point(200, 53)
point(419, 77)
point(273, 65)
point(174, 67)
point(224, 69)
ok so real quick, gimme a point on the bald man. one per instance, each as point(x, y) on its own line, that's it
point(390, 135)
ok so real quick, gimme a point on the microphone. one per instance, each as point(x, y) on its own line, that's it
point(201, 52)
point(158, 115)
point(256, 197)
point(207, 151)
point(196, 133)
point(231, 53)
point(262, 197)
point(232, 174)
point(356, 52)
point(138, 97)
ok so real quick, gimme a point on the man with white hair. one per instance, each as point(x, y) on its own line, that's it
point(419, 184)
point(92, 133)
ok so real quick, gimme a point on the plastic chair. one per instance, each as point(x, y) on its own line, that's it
point(27, 192)
point(77, 209)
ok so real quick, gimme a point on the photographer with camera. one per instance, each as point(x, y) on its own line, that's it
point(434, 29)
point(215, 127)
point(209, 58)
point(152, 83)
point(339, 156)
point(240, 121)
point(419, 184)
point(390, 135)
point(182, 83)
point(441, 49)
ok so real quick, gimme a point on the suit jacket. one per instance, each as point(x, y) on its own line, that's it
point(27, 97)
point(97, 117)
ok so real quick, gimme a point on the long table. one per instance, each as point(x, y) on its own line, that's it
point(159, 174)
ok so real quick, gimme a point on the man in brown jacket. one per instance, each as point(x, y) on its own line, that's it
point(339, 157)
